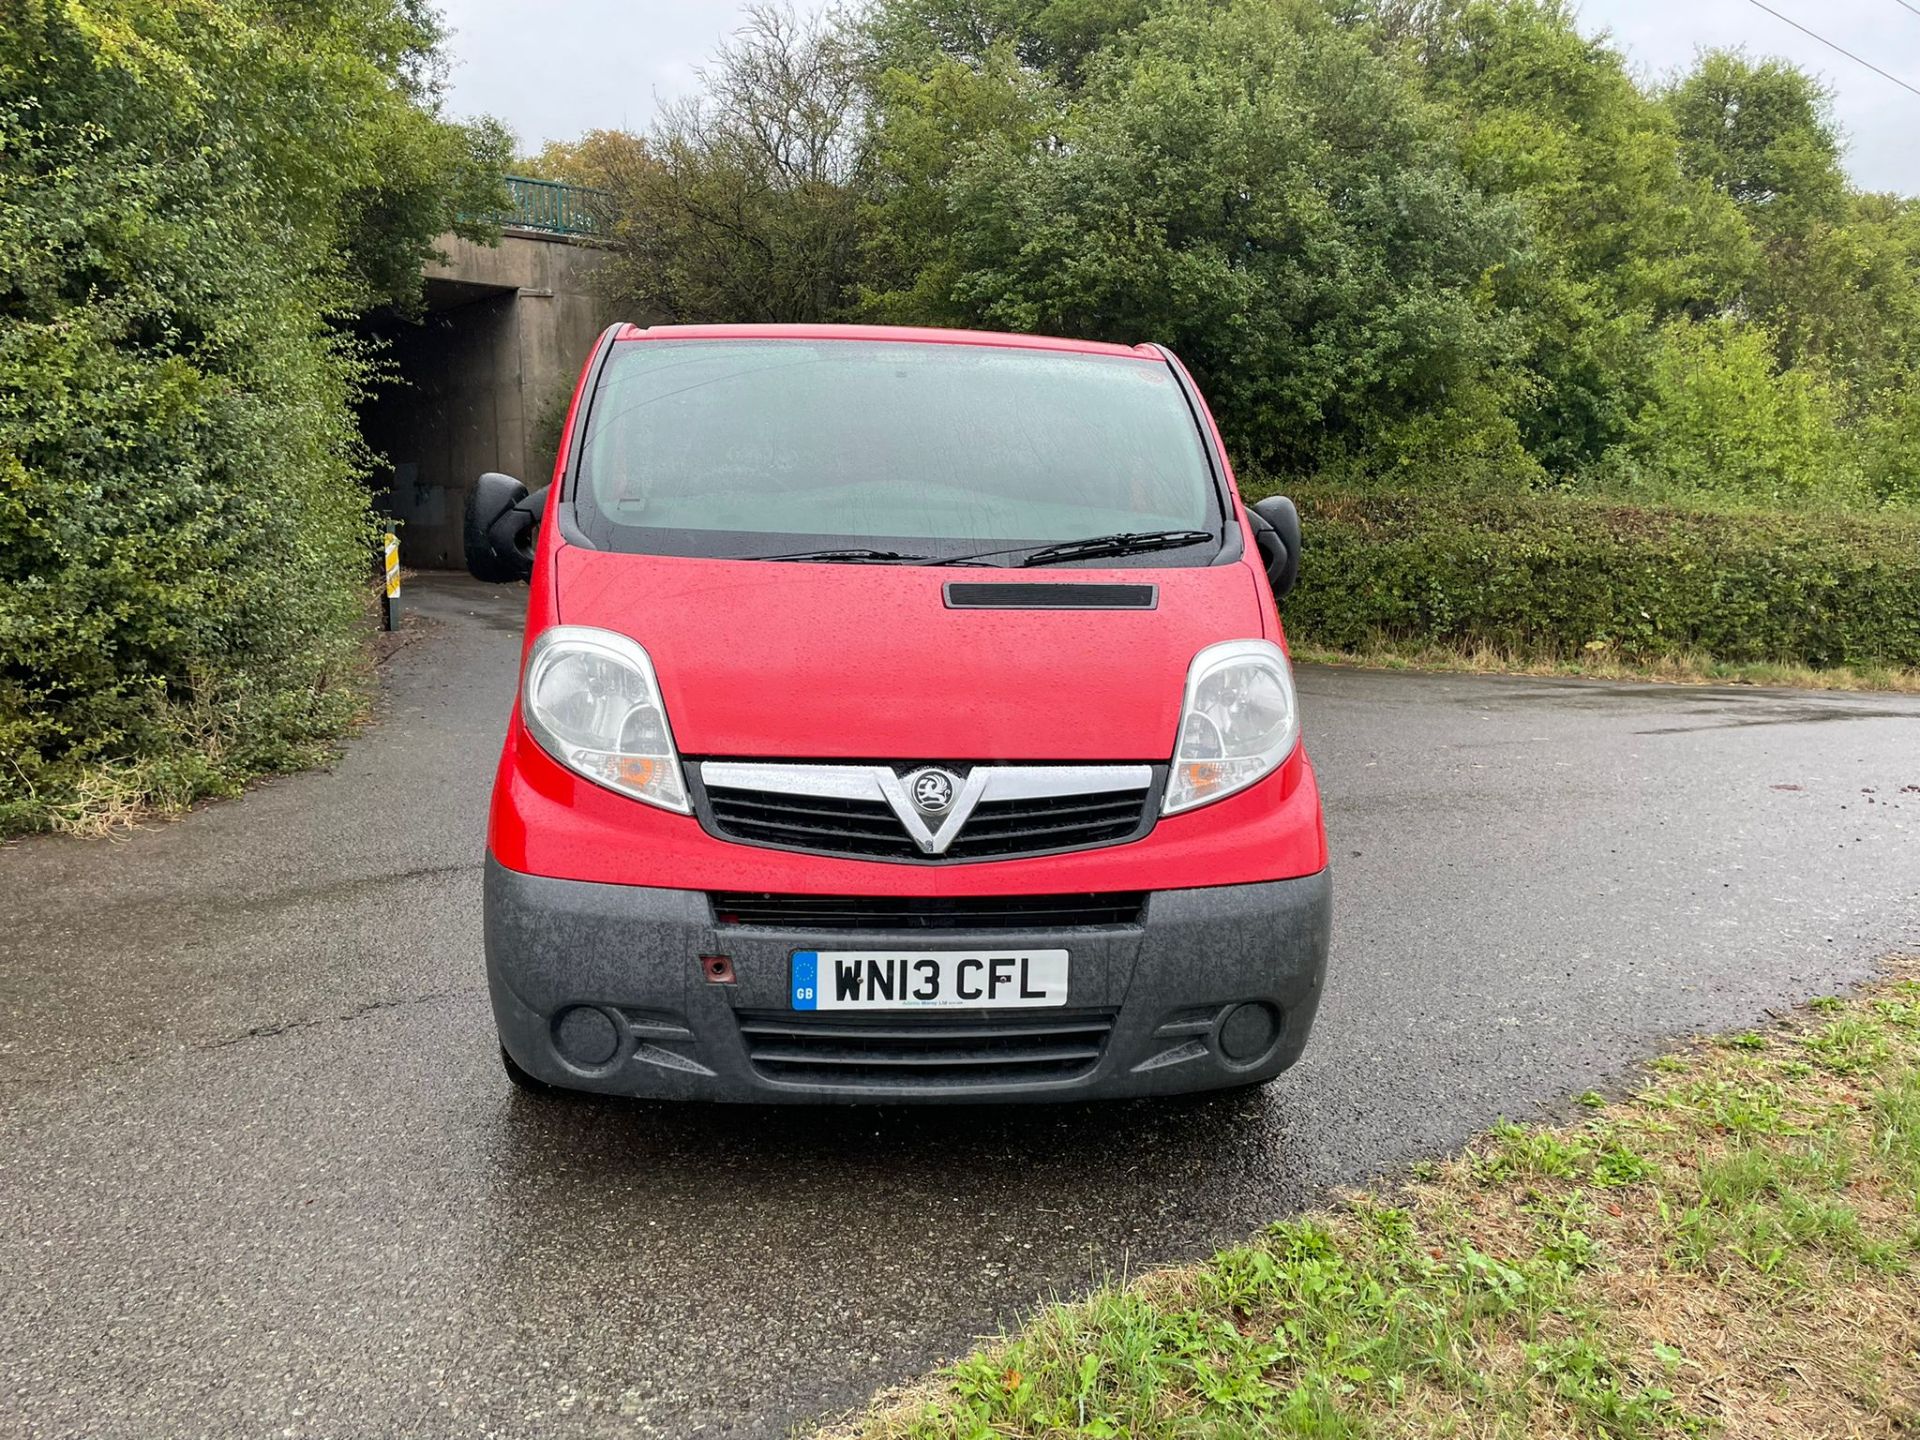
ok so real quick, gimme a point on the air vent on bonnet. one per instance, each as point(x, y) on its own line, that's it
point(1063, 595)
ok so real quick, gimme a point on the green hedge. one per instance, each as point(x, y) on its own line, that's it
point(195, 196)
point(1548, 576)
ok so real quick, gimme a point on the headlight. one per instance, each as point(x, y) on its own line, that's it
point(591, 700)
point(1239, 722)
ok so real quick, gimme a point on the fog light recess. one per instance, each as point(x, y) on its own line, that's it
point(1247, 1033)
point(586, 1037)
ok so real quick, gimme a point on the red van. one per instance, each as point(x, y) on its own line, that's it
point(903, 716)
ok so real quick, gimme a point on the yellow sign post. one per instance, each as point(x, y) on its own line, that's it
point(391, 603)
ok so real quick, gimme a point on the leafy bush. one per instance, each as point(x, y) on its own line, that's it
point(1554, 576)
point(1722, 421)
point(1890, 443)
point(193, 196)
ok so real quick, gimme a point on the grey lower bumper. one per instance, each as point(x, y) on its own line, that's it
point(603, 987)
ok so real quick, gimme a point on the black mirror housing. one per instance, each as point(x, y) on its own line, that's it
point(1276, 529)
point(499, 528)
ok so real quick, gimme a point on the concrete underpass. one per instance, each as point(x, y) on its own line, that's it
point(484, 376)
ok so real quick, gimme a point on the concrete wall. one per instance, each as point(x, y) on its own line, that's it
point(506, 330)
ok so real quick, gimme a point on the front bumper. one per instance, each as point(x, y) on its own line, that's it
point(604, 987)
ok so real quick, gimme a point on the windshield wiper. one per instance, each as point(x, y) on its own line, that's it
point(850, 557)
point(1128, 542)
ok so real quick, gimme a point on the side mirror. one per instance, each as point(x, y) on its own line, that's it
point(499, 528)
point(1276, 529)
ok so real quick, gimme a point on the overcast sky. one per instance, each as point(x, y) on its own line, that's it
point(554, 69)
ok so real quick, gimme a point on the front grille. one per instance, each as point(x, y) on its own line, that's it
point(893, 912)
point(808, 822)
point(868, 828)
point(1060, 822)
point(896, 1052)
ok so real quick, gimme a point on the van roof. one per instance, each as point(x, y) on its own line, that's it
point(901, 333)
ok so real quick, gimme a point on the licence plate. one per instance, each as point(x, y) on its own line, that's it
point(917, 980)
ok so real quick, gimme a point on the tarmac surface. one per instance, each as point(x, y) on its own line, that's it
point(260, 1173)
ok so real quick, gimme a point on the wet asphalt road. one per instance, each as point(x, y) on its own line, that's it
point(260, 1174)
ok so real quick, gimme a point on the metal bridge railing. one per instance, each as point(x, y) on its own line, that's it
point(553, 207)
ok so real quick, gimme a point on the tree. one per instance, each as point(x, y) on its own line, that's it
point(1434, 239)
point(599, 159)
point(1246, 181)
point(746, 206)
point(1762, 133)
point(925, 123)
point(1626, 238)
point(1054, 36)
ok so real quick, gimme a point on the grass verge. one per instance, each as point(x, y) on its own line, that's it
point(1730, 1250)
point(1600, 664)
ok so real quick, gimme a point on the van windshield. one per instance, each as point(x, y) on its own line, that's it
point(741, 448)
